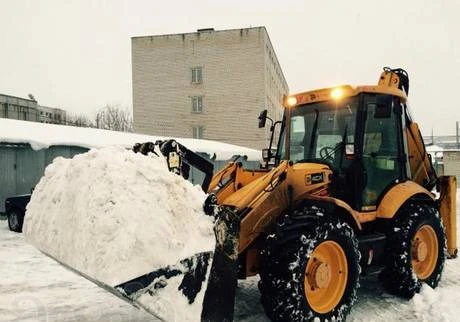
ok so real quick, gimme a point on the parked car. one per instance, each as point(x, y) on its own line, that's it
point(15, 209)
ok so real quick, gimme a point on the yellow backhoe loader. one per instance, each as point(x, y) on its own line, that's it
point(346, 189)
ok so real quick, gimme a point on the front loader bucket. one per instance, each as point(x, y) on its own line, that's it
point(205, 281)
point(193, 271)
point(125, 222)
point(187, 279)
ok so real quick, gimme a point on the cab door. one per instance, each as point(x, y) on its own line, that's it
point(382, 147)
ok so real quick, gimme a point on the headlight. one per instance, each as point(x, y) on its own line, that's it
point(337, 93)
point(291, 101)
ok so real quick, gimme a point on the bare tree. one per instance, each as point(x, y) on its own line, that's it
point(80, 120)
point(114, 118)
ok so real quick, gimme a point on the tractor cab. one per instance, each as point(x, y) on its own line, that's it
point(359, 132)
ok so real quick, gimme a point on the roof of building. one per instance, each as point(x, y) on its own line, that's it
point(17, 97)
point(434, 148)
point(42, 135)
point(210, 30)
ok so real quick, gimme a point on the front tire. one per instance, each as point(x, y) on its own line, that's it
point(416, 251)
point(15, 220)
point(311, 269)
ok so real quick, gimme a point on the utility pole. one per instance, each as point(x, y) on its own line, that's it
point(456, 132)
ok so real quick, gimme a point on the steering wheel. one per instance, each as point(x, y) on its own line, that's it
point(327, 153)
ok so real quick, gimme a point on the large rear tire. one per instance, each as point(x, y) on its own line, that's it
point(416, 250)
point(311, 268)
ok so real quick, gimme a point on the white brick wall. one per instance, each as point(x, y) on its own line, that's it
point(241, 77)
point(451, 163)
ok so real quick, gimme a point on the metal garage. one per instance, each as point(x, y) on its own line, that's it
point(26, 148)
point(22, 167)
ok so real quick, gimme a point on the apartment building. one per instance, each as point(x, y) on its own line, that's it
point(18, 108)
point(52, 115)
point(207, 84)
point(27, 109)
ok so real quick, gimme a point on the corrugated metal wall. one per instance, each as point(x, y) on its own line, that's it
point(21, 167)
point(7, 173)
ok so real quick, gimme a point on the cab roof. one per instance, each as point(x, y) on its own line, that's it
point(339, 92)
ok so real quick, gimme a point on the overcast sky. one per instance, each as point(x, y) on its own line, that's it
point(77, 54)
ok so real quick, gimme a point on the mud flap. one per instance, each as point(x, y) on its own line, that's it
point(219, 298)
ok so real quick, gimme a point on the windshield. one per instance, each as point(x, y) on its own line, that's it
point(320, 132)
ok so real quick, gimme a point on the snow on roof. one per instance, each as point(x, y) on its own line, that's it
point(434, 148)
point(41, 136)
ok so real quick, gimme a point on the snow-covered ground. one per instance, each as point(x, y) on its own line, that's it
point(105, 199)
point(34, 288)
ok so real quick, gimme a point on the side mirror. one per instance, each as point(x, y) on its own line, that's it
point(262, 118)
point(268, 155)
point(349, 150)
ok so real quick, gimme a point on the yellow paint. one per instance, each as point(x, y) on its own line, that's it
point(448, 210)
point(232, 178)
point(326, 94)
point(398, 195)
point(420, 165)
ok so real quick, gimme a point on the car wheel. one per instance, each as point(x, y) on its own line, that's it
point(15, 220)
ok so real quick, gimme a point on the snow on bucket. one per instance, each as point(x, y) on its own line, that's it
point(125, 222)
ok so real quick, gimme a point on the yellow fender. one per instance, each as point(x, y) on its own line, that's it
point(351, 214)
point(397, 196)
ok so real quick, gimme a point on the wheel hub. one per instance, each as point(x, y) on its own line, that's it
point(424, 252)
point(420, 251)
point(325, 276)
point(320, 275)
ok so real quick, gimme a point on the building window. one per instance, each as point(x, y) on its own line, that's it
point(197, 75)
point(197, 132)
point(197, 104)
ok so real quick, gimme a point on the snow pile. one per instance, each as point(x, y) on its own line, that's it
point(115, 215)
